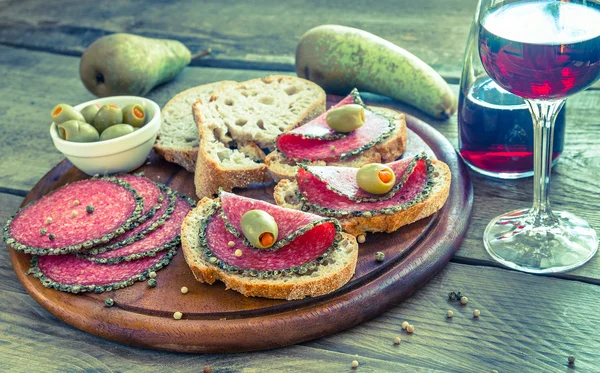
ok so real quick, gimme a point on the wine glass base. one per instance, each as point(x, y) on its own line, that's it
point(559, 243)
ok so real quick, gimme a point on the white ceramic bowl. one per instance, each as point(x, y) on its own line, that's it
point(123, 154)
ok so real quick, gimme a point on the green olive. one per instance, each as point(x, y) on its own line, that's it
point(346, 118)
point(134, 115)
point(115, 131)
point(77, 131)
point(107, 116)
point(259, 228)
point(375, 178)
point(89, 112)
point(63, 112)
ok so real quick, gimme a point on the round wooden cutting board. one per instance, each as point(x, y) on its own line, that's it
point(218, 320)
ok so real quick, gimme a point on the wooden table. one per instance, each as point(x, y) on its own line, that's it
point(527, 324)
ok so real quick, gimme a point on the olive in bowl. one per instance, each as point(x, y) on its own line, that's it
point(121, 154)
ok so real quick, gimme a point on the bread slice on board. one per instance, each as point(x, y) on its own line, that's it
point(339, 270)
point(242, 119)
point(388, 151)
point(286, 196)
point(178, 139)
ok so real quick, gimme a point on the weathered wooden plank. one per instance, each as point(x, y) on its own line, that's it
point(249, 35)
point(530, 322)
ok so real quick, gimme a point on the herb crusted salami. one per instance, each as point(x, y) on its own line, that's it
point(75, 217)
point(316, 141)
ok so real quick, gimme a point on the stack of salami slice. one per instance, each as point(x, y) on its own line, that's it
point(99, 234)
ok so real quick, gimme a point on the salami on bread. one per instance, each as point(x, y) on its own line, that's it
point(422, 187)
point(310, 257)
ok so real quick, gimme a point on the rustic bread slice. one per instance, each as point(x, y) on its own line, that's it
point(340, 268)
point(286, 196)
point(241, 119)
point(388, 151)
point(178, 139)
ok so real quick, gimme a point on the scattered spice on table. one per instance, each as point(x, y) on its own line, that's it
point(571, 359)
point(109, 302)
point(207, 369)
point(464, 300)
point(476, 313)
point(397, 340)
point(177, 315)
point(354, 364)
point(404, 324)
point(379, 256)
point(410, 329)
point(449, 314)
point(184, 290)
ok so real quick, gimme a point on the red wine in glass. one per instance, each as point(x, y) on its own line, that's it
point(554, 53)
point(496, 131)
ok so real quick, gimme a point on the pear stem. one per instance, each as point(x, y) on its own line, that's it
point(205, 52)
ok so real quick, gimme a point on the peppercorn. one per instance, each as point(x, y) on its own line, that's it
point(177, 315)
point(184, 290)
point(109, 302)
point(51, 237)
point(361, 238)
point(571, 359)
point(404, 324)
point(464, 300)
point(379, 256)
point(152, 283)
point(397, 340)
point(152, 274)
point(476, 313)
point(410, 328)
point(354, 364)
point(449, 314)
point(89, 209)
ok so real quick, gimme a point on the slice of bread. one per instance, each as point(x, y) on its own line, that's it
point(387, 151)
point(338, 271)
point(286, 196)
point(178, 139)
point(242, 119)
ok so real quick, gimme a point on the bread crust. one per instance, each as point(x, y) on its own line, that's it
point(387, 151)
point(300, 287)
point(185, 157)
point(357, 225)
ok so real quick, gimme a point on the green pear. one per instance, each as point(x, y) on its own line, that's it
point(125, 64)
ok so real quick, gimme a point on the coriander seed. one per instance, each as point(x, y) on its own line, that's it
point(48, 220)
point(238, 253)
point(73, 213)
point(152, 274)
point(404, 324)
point(449, 314)
point(361, 238)
point(464, 300)
point(177, 315)
point(397, 340)
point(354, 364)
point(476, 313)
point(410, 329)
point(231, 244)
point(76, 202)
point(184, 290)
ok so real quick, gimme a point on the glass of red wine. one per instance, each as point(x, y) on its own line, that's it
point(542, 51)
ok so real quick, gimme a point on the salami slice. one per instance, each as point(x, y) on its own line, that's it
point(149, 191)
point(166, 208)
point(164, 237)
point(71, 274)
point(308, 239)
point(317, 141)
point(75, 217)
point(342, 180)
point(233, 207)
point(317, 195)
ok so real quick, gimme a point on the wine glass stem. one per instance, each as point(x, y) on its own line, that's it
point(544, 114)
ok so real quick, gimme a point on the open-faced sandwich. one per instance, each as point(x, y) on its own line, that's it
point(264, 250)
point(373, 198)
point(349, 134)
